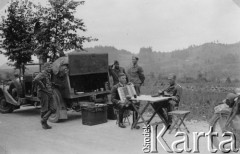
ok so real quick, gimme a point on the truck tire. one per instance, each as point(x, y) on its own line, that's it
point(5, 107)
point(56, 102)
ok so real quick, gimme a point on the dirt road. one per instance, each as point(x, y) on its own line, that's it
point(21, 133)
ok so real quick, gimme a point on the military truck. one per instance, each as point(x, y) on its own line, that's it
point(86, 82)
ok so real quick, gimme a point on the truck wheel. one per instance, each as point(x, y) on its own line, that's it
point(5, 107)
point(56, 102)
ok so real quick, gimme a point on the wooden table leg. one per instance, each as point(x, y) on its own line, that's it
point(155, 112)
point(140, 115)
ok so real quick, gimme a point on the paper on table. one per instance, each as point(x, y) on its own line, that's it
point(150, 98)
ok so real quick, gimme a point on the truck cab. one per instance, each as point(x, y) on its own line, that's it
point(86, 82)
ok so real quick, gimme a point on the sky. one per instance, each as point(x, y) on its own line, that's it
point(164, 25)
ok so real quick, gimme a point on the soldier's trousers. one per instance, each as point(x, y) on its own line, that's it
point(137, 88)
point(121, 110)
point(47, 106)
point(170, 105)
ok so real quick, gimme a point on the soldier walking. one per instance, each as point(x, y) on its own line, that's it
point(45, 94)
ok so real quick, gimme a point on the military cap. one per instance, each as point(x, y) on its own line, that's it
point(45, 65)
point(230, 97)
point(116, 62)
point(135, 57)
point(171, 76)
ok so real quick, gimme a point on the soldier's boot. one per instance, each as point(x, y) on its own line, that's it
point(44, 120)
point(120, 122)
point(45, 125)
point(172, 107)
point(135, 116)
point(48, 127)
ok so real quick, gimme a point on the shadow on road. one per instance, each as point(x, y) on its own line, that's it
point(32, 111)
point(72, 116)
point(29, 111)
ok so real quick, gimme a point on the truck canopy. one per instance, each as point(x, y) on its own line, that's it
point(87, 63)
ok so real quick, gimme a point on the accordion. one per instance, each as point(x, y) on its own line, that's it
point(128, 90)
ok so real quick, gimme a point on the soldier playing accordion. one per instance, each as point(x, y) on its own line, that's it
point(121, 101)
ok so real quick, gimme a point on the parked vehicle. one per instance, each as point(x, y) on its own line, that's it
point(86, 82)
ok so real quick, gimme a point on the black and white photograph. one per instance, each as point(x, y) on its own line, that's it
point(119, 76)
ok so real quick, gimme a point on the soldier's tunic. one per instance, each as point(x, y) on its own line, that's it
point(174, 90)
point(45, 92)
point(136, 76)
point(115, 98)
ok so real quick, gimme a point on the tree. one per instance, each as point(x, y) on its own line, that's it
point(47, 32)
point(56, 29)
point(18, 32)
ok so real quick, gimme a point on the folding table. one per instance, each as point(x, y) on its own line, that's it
point(148, 100)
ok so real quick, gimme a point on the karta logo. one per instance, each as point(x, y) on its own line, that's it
point(152, 139)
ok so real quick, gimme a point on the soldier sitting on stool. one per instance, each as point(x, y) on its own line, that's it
point(173, 91)
point(45, 94)
point(120, 105)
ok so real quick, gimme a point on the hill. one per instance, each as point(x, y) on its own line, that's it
point(213, 61)
point(209, 61)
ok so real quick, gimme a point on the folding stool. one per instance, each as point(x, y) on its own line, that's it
point(178, 120)
point(126, 115)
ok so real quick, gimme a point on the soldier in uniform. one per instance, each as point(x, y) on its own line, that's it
point(45, 94)
point(135, 75)
point(173, 91)
point(120, 105)
point(115, 70)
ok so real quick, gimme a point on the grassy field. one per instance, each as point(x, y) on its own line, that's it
point(199, 98)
